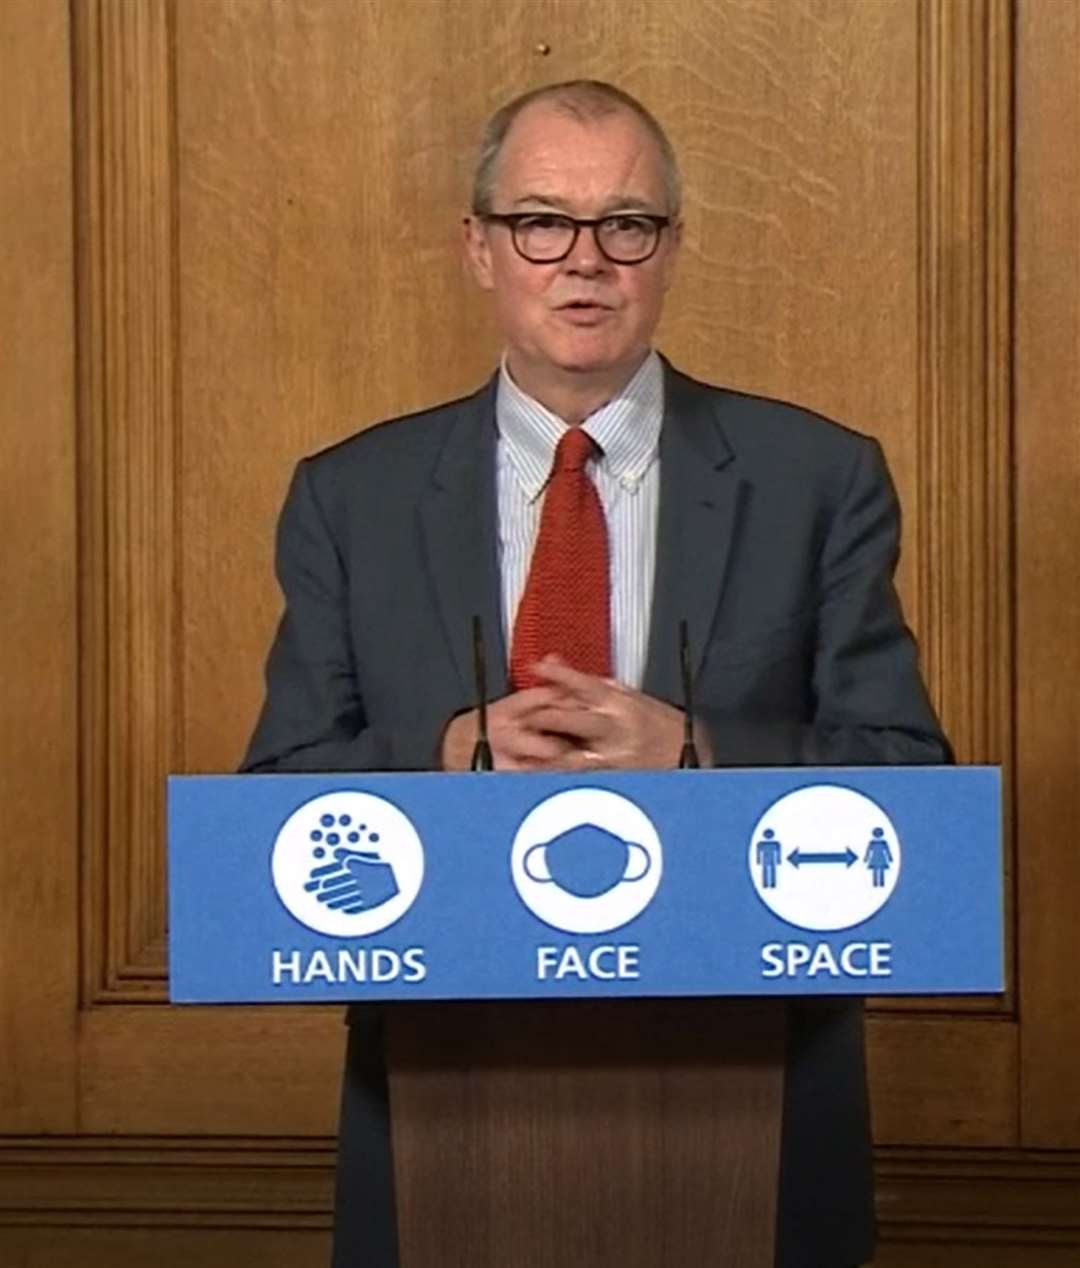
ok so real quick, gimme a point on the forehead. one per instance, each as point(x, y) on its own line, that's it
point(550, 154)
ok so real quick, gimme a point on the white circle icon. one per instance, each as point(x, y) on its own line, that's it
point(824, 857)
point(586, 860)
point(347, 864)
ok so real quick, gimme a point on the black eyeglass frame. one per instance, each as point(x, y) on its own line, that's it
point(513, 219)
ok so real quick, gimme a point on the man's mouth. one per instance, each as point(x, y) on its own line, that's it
point(584, 312)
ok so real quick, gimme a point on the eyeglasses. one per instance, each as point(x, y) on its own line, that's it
point(544, 237)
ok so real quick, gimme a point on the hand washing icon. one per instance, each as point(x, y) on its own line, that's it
point(586, 861)
point(357, 879)
point(347, 864)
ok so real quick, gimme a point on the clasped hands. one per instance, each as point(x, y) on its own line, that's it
point(572, 722)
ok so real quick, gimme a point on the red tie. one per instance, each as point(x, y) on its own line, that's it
point(565, 607)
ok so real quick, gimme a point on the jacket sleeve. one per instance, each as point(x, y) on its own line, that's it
point(313, 717)
point(869, 703)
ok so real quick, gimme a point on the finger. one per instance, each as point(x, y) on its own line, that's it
point(542, 748)
point(530, 745)
point(589, 688)
point(521, 703)
point(585, 759)
point(532, 764)
point(583, 724)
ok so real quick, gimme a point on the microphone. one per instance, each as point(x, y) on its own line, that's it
point(481, 754)
point(688, 758)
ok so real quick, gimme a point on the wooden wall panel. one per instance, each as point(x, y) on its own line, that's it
point(127, 411)
point(325, 152)
point(265, 206)
point(959, 509)
point(1048, 565)
point(164, 1183)
point(289, 249)
point(311, 278)
point(322, 156)
point(215, 1248)
point(957, 1254)
point(38, 860)
point(163, 1247)
point(943, 1081)
point(979, 1206)
point(116, 1202)
point(211, 1071)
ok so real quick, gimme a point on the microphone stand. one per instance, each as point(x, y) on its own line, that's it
point(482, 759)
point(688, 758)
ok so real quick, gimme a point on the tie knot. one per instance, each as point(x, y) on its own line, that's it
point(574, 450)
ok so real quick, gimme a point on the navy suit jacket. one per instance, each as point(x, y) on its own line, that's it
point(777, 541)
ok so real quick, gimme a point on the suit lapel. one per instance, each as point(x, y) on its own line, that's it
point(699, 501)
point(459, 531)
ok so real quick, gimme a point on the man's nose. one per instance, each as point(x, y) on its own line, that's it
point(586, 257)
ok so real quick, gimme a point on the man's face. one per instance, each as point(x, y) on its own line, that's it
point(583, 315)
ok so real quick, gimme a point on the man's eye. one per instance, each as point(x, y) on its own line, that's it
point(542, 222)
point(627, 224)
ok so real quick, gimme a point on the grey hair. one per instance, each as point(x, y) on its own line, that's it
point(587, 100)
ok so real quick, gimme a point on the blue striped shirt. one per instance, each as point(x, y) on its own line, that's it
point(627, 478)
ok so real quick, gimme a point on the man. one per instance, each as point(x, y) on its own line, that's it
point(772, 532)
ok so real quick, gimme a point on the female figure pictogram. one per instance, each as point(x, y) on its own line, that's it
point(878, 857)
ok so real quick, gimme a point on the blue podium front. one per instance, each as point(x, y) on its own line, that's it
point(314, 888)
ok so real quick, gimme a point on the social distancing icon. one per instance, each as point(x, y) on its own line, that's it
point(824, 857)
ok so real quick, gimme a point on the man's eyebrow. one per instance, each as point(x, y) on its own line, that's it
point(628, 202)
point(620, 202)
point(545, 200)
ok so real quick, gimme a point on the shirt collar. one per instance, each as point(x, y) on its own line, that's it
point(627, 428)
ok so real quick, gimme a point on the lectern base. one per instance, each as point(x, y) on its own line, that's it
point(606, 1134)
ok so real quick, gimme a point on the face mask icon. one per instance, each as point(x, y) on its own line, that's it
point(586, 861)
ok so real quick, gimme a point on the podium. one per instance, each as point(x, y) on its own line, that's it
point(584, 981)
point(601, 1132)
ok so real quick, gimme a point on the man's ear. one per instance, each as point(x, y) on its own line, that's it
point(675, 233)
point(478, 251)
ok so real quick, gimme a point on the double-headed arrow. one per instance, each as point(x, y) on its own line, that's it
point(798, 857)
